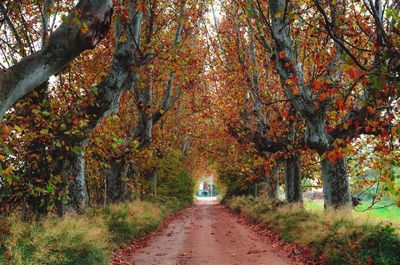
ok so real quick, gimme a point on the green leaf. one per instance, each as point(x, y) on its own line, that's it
point(17, 128)
point(51, 188)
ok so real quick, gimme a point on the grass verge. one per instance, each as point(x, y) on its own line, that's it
point(334, 238)
point(87, 239)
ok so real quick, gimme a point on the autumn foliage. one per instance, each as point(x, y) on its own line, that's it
point(293, 94)
point(146, 97)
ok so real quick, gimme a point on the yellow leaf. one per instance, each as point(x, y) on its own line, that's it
point(123, 38)
point(278, 14)
point(9, 170)
point(84, 27)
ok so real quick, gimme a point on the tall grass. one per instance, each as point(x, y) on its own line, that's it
point(88, 239)
point(72, 240)
point(335, 237)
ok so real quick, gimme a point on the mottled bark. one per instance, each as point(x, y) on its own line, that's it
point(117, 181)
point(114, 183)
point(293, 192)
point(335, 184)
point(66, 43)
point(70, 165)
point(77, 186)
point(120, 77)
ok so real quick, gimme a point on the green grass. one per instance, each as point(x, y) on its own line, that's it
point(387, 214)
point(391, 213)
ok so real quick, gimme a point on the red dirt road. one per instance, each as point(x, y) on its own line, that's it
point(207, 233)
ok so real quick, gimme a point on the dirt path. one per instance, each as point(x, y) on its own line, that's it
point(208, 234)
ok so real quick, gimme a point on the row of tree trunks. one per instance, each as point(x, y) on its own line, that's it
point(334, 175)
point(292, 176)
point(143, 131)
point(264, 143)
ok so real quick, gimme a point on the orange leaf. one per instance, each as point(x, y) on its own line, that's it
point(317, 85)
point(295, 90)
point(141, 8)
point(323, 96)
point(282, 55)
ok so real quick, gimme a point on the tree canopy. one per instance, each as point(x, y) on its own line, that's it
point(100, 98)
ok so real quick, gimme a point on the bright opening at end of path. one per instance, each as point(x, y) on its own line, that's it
point(207, 192)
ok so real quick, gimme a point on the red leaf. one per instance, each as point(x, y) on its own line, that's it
point(354, 73)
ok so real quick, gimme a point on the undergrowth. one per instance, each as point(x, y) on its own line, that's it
point(335, 238)
point(87, 239)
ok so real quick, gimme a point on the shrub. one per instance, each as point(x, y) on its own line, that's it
point(175, 179)
point(380, 245)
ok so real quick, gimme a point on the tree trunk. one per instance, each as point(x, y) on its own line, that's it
point(77, 186)
point(293, 192)
point(72, 170)
point(271, 187)
point(335, 184)
point(116, 185)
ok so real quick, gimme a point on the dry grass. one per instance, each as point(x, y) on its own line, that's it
point(88, 239)
point(71, 240)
